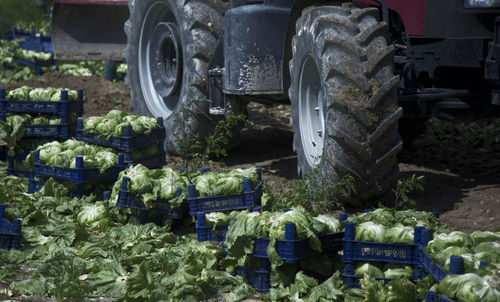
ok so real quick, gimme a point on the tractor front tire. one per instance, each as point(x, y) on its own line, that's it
point(169, 46)
point(344, 98)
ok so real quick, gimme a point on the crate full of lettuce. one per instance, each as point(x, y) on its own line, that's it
point(125, 132)
point(33, 59)
point(57, 101)
point(280, 242)
point(151, 190)
point(460, 252)
point(76, 161)
point(386, 244)
point(239, 189)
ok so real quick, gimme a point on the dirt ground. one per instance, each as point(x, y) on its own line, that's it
point(462, 184)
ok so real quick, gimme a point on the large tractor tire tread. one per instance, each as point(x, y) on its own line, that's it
point(356, 68)
point(200, 24)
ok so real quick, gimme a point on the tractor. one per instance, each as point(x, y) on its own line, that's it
point(352, 71)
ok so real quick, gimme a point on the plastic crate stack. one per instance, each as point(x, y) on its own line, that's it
point(366, 251)
point(249, 199)
point(128, 200)
point(63, 109)
point(37, 43)
point(10, 233)
point(291, 250)
point(129, 143)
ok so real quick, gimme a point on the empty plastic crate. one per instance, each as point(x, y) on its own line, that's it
point(292, 249)
point(10, 233)
point(129, 200)
point(62, 107)
point(79, 174)
point(128, 142)
point(248, 199)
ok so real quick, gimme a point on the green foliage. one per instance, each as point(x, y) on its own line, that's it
point(313, 192)
point(405, 186)
point(196, 150)
point(25, 15)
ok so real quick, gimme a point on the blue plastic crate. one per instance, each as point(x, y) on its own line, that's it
point(15, 165)
point(10, 233)
point(20, 172)
point(62, 107)
point(248, 199)
point(19, 154)
point(156, 161)
point(292, 249)
point(79, 174)
point(355, 250)
point(351, 280)
point(130, 201)
point(63, 130)
point(207, 232)
point(38, 43)
point(78, 192)
point(34, 185)
point(437, 272)
point(35, 64)
point(128, 142)
point(431, 297)
point(259, 278)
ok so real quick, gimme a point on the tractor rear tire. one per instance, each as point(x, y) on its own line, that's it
point(169, 46)
point(344, 98)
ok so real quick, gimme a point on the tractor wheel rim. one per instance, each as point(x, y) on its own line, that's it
point(311, 111)
point(160, 60)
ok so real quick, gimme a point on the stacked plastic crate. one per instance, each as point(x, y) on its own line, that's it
point(132, 146)
point(249, 199)
point(64, 109)
point(128, 200)
point(356, 251)
point(37, 44)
